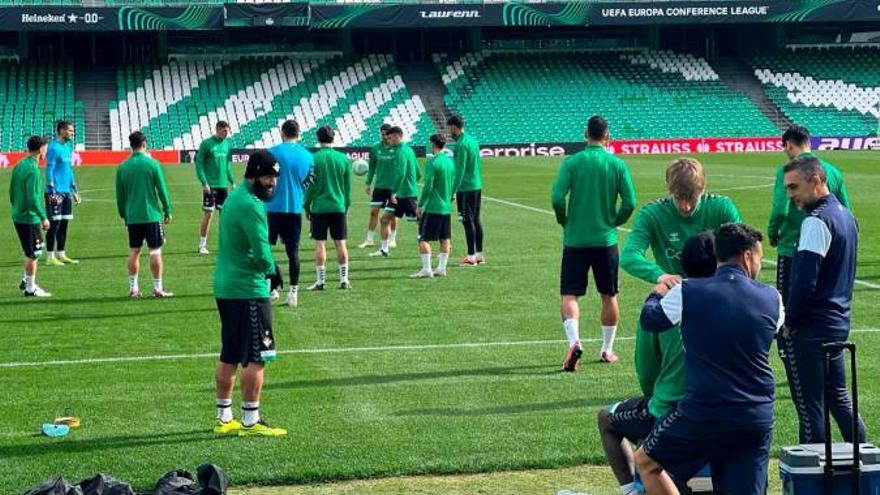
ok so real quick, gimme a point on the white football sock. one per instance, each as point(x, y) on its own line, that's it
point(294, 289)
point(608, 333)
point(30, 283)
point(62, 254)
point(571, 331)
point(393, 236)
point(203, 242)
point(426, 262)
point(250, 413)
point(224, 410)
point(385, 245)
point(50, 255)
point(629, 489)
point(479, 255)
point(157, 284)
point(322, 274)
point(443, 260)
point(133, 282)
point(371, 234)
point(343, 273)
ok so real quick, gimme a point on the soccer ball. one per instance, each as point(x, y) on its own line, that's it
point(360, 167)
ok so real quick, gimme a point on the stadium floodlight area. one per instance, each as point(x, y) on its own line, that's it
point(834, 89)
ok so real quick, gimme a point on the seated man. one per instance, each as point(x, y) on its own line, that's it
point(660, 369)
point(728, 323)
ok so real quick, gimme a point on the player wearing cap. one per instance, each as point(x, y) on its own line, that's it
point(28, 214)
point(326, 206)
point(144, 205)
point(435, 206)
point(243, 264)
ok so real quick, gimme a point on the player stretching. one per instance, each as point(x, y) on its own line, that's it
point(60, 193)
point(285, 208)
point(214, 170)
point(468, 189)
point(666, 224)
point(243, 263)
point(593, 180)
point(380, 195)
point(144, 205)
point(435, 206)
point(28, 214)
point(326, 205)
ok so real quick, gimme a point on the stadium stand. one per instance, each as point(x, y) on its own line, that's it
point(643, 94)
point(827, 87)
point(33, 96)
point(177, 104)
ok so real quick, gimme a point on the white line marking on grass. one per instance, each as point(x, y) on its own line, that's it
point(391, 348)
point(624, 229)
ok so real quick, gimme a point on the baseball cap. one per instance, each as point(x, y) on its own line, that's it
point(261, 164)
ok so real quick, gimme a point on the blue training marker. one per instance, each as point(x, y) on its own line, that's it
point(52, 430)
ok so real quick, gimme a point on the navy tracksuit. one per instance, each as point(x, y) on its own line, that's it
point(818, 311)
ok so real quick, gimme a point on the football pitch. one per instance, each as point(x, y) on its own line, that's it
point(396, 377)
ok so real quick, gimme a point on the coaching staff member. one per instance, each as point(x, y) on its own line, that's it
point(822, 276)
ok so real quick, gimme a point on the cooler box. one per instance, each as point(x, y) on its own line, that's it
point(802, 469)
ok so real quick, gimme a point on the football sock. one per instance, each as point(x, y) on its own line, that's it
point(203, 242)
point(250, 413)
point(629, 489)
point(478, 255)
point(132, 282)
point(294, 289)
point(343, 273)
point(224, 410)
point(608, 333)
point(62, 254)
point(393, 236)
point(571, 331)
point(30, 283)
point(371, 234)
point(50, 255)
point(157, 284)
point(385, 245)
point(322, 274)
point(426, 262)
point(444, 259)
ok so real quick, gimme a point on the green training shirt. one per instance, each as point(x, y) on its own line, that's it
point(383, 167)
point(659, 359)
point(141, 193)
point(331, 190)
point(661, 227)
point(213, 163)
point(786, 218)
point(26, 193)
point(244, 259)
point(468, 164)
point(437, 188)
point(408, 183)
point(593, 180)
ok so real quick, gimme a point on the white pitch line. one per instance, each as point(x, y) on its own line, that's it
point(624, 229)
point(392, 348)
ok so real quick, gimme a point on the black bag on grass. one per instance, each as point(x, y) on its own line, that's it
point(56, 486)
point(177, 482)
point(102, 484)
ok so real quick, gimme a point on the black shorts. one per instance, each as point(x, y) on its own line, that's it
point(59, 206)
point(404, 208)
point(153, 233)
point(783, 276)
point(333, 222)
point(435, 227)
point(469, 204)
point(631, 419)
point(214, 199)
point(246, 331)
point(287, 226)
point(31, 239)
point(577, 263)
point(381, 198)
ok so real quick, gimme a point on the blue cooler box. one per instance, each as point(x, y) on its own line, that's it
point(802, 469)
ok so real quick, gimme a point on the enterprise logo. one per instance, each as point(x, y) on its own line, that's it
point(449, 14)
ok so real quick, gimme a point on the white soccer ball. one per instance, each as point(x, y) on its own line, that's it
point(360, 167)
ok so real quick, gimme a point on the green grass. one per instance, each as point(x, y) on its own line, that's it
point(369, 413)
